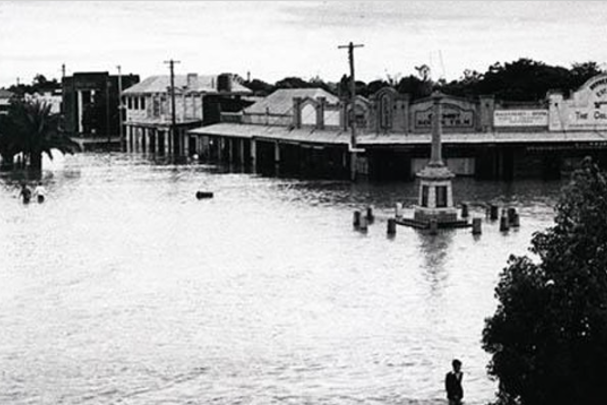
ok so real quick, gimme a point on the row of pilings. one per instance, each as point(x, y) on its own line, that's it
point(508, 217)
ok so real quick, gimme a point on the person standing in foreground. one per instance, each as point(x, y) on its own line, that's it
point(453, 383)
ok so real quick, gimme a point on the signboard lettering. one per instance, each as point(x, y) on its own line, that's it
point(520, 118)
point(585, 110)
point(452, 116)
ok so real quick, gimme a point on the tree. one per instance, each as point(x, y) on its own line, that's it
point(32, 129)
point(8, 143)
point(292, 83)
point(414, 86)
point(259, 87)
point(581, 72)
point(548, 336)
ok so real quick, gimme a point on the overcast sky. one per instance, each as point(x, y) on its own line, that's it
point(272, 40)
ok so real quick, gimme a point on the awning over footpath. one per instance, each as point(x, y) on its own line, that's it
point(337, 136)
point(274, 133)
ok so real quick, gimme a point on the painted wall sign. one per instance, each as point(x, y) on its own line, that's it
point(520, 118)
point(585, 110)
point(453, 116)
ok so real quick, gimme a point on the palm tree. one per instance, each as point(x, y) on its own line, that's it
point(8, 142)
point(35, 130)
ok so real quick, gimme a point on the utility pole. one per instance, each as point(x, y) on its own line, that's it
point(120, 109)
point(175, 134)
point(107, 113)
point(352, 116)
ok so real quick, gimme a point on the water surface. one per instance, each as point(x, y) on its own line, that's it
point(124, 288)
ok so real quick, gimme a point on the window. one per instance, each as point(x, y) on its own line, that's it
point(385, 112)
point(163, 105)
point(129, 101)
point(136, 103)
point(441, 196)
point(142, 103)
point(425, 191)
point(155, 107)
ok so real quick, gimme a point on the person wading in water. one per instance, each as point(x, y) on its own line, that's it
point(40, 192)
point(25, 193)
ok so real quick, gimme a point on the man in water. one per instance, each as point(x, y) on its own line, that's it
point(39, 192)
point(25, 193)
point(453, 383)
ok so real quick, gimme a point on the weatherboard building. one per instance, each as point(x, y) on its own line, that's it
point(308, 132)
point(199, 100)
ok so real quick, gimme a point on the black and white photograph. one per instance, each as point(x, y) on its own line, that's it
point(303, 202)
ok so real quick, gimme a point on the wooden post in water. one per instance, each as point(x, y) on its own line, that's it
point(504, 225)
point(363, 224)
point(370, 217)
point(494, 212)
point(464, 210)
point(391, 226)
point(476, 226)
point(356, 221)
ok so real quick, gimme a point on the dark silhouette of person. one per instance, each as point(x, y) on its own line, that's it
point(453, 383)
point(25, 193)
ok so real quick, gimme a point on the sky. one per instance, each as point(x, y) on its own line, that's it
point(276, 39)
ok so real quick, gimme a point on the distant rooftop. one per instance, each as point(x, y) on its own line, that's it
point(5, 94)
point(197, 83)
point(281, 101)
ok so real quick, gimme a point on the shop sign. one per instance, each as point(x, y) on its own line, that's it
point(452, 117)
point(520, 118)
point(586, 110)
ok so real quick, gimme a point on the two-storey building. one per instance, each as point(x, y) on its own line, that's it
point(152, 125)
point(91, 104)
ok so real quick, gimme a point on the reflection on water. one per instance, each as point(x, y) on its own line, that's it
point(124, 288)
point(435, 251)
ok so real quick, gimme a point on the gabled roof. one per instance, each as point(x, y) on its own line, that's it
point(200, 84)
point(281, 101)
point(5, 94)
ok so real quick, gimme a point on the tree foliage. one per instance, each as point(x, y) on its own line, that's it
point(548, 336)
point(40, 84)
point(522, 80)
point(30, 128)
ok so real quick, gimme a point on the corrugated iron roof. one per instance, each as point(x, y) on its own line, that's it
point(199, 84)
point(338, 136)
point(275, 132)
point(281, 100)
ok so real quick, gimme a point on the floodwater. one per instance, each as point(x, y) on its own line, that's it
point(124, 288)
